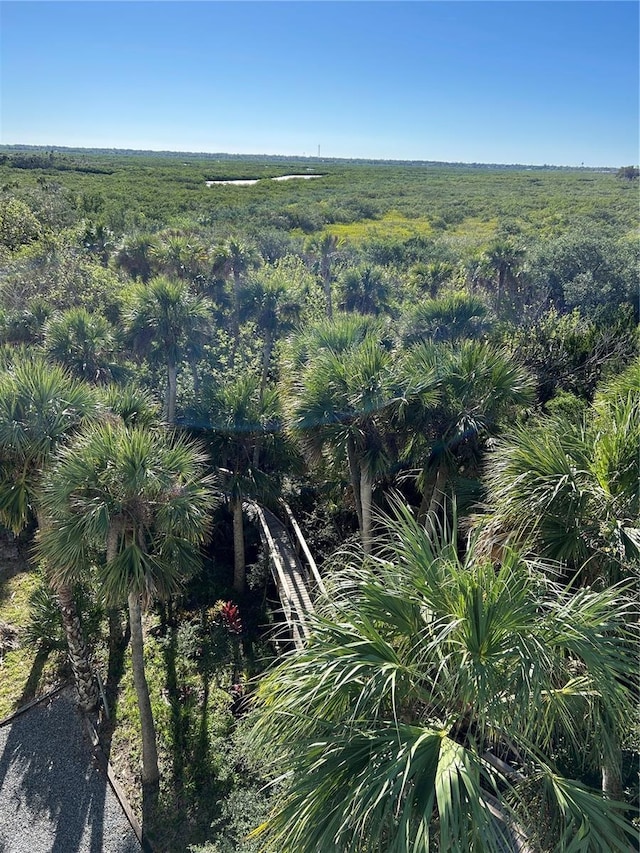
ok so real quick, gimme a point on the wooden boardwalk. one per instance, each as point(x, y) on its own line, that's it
point(291, 577)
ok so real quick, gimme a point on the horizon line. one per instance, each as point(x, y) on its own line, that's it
point(314, 157)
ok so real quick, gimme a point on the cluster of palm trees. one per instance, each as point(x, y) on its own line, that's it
point(447, 682)
point(449, 701)
point(112, 498)
point(457, 694)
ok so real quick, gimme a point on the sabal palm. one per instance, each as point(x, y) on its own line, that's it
point(431, 276)
point(179, 256)
point(135, 256)
point(365, 289)
point(239, 418)
point(448, 317)
point(324, 250)
point(270, 300)
point(160, 317)
point(457, 394)
point(136, 503)
point(41, 406)
point(338, 403)
point(85, 344)
point(570, 491)
point(430, 698)
point(235, 258)
point(503, 257)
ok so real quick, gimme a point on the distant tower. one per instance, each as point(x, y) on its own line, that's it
point(318, 149)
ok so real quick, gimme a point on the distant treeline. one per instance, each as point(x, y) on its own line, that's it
point(48, 160)
point(282, 158)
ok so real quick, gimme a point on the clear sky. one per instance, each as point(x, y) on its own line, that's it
point(492, 82)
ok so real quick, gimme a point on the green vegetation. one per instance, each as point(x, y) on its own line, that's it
point(436, 367)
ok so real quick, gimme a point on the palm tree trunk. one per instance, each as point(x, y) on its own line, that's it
point(86, 685)
point(438, 496)
point(150, 771)
point(235, 320)
point(433, 494)
point(116, 636)
point(195, 374)
point(238, 547)
point(266, 361)
point(500, 291)
point(326, 284)
point(172, 386)
point(77, 648)
point(612, 775)
point(430, 472)
point(354, 476)
point(366, 493)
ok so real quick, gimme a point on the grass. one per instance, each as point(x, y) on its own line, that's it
point(203, 770)
point(200, 764)
point(392, 226)
point(25, 672)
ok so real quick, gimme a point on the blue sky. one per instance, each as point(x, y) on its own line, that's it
point(500, 82)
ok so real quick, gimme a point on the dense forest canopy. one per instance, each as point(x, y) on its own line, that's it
point(436, 367)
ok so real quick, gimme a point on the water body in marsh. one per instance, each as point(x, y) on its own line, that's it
point(247, 182)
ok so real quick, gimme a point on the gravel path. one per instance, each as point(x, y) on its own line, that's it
point(53, 797)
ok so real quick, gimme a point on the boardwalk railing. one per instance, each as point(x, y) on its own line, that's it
point(313, 577)
point(289, 574)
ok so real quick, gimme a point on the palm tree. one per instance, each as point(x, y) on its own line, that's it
point(365, 289)
point(135, 256)
point(270, 300)
point(429, 700)
point(41, 406)
point(179, 256)
point(325, 249)
point(570, 492)
point(161, 316)
point(448, 317)
point(238, 417)
point(503, 257)
point(431, 276)
point(134, 406)
point(136, 502)
point(97, 239)
point(457, 396)
point(338, 402)
point(85, 344)
point(235, 258)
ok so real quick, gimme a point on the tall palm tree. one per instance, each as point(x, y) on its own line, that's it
point(571, 493)
point(271, 301)
point(41, 407)
point(135, 502)
point(503, 257)
point(338, 403)
point(238, 417)
point(457, 394)
point(429, 701)
point(569, 490)
point(235, 258)
point(324, 249)
point(84, 343)
point(160, 317)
